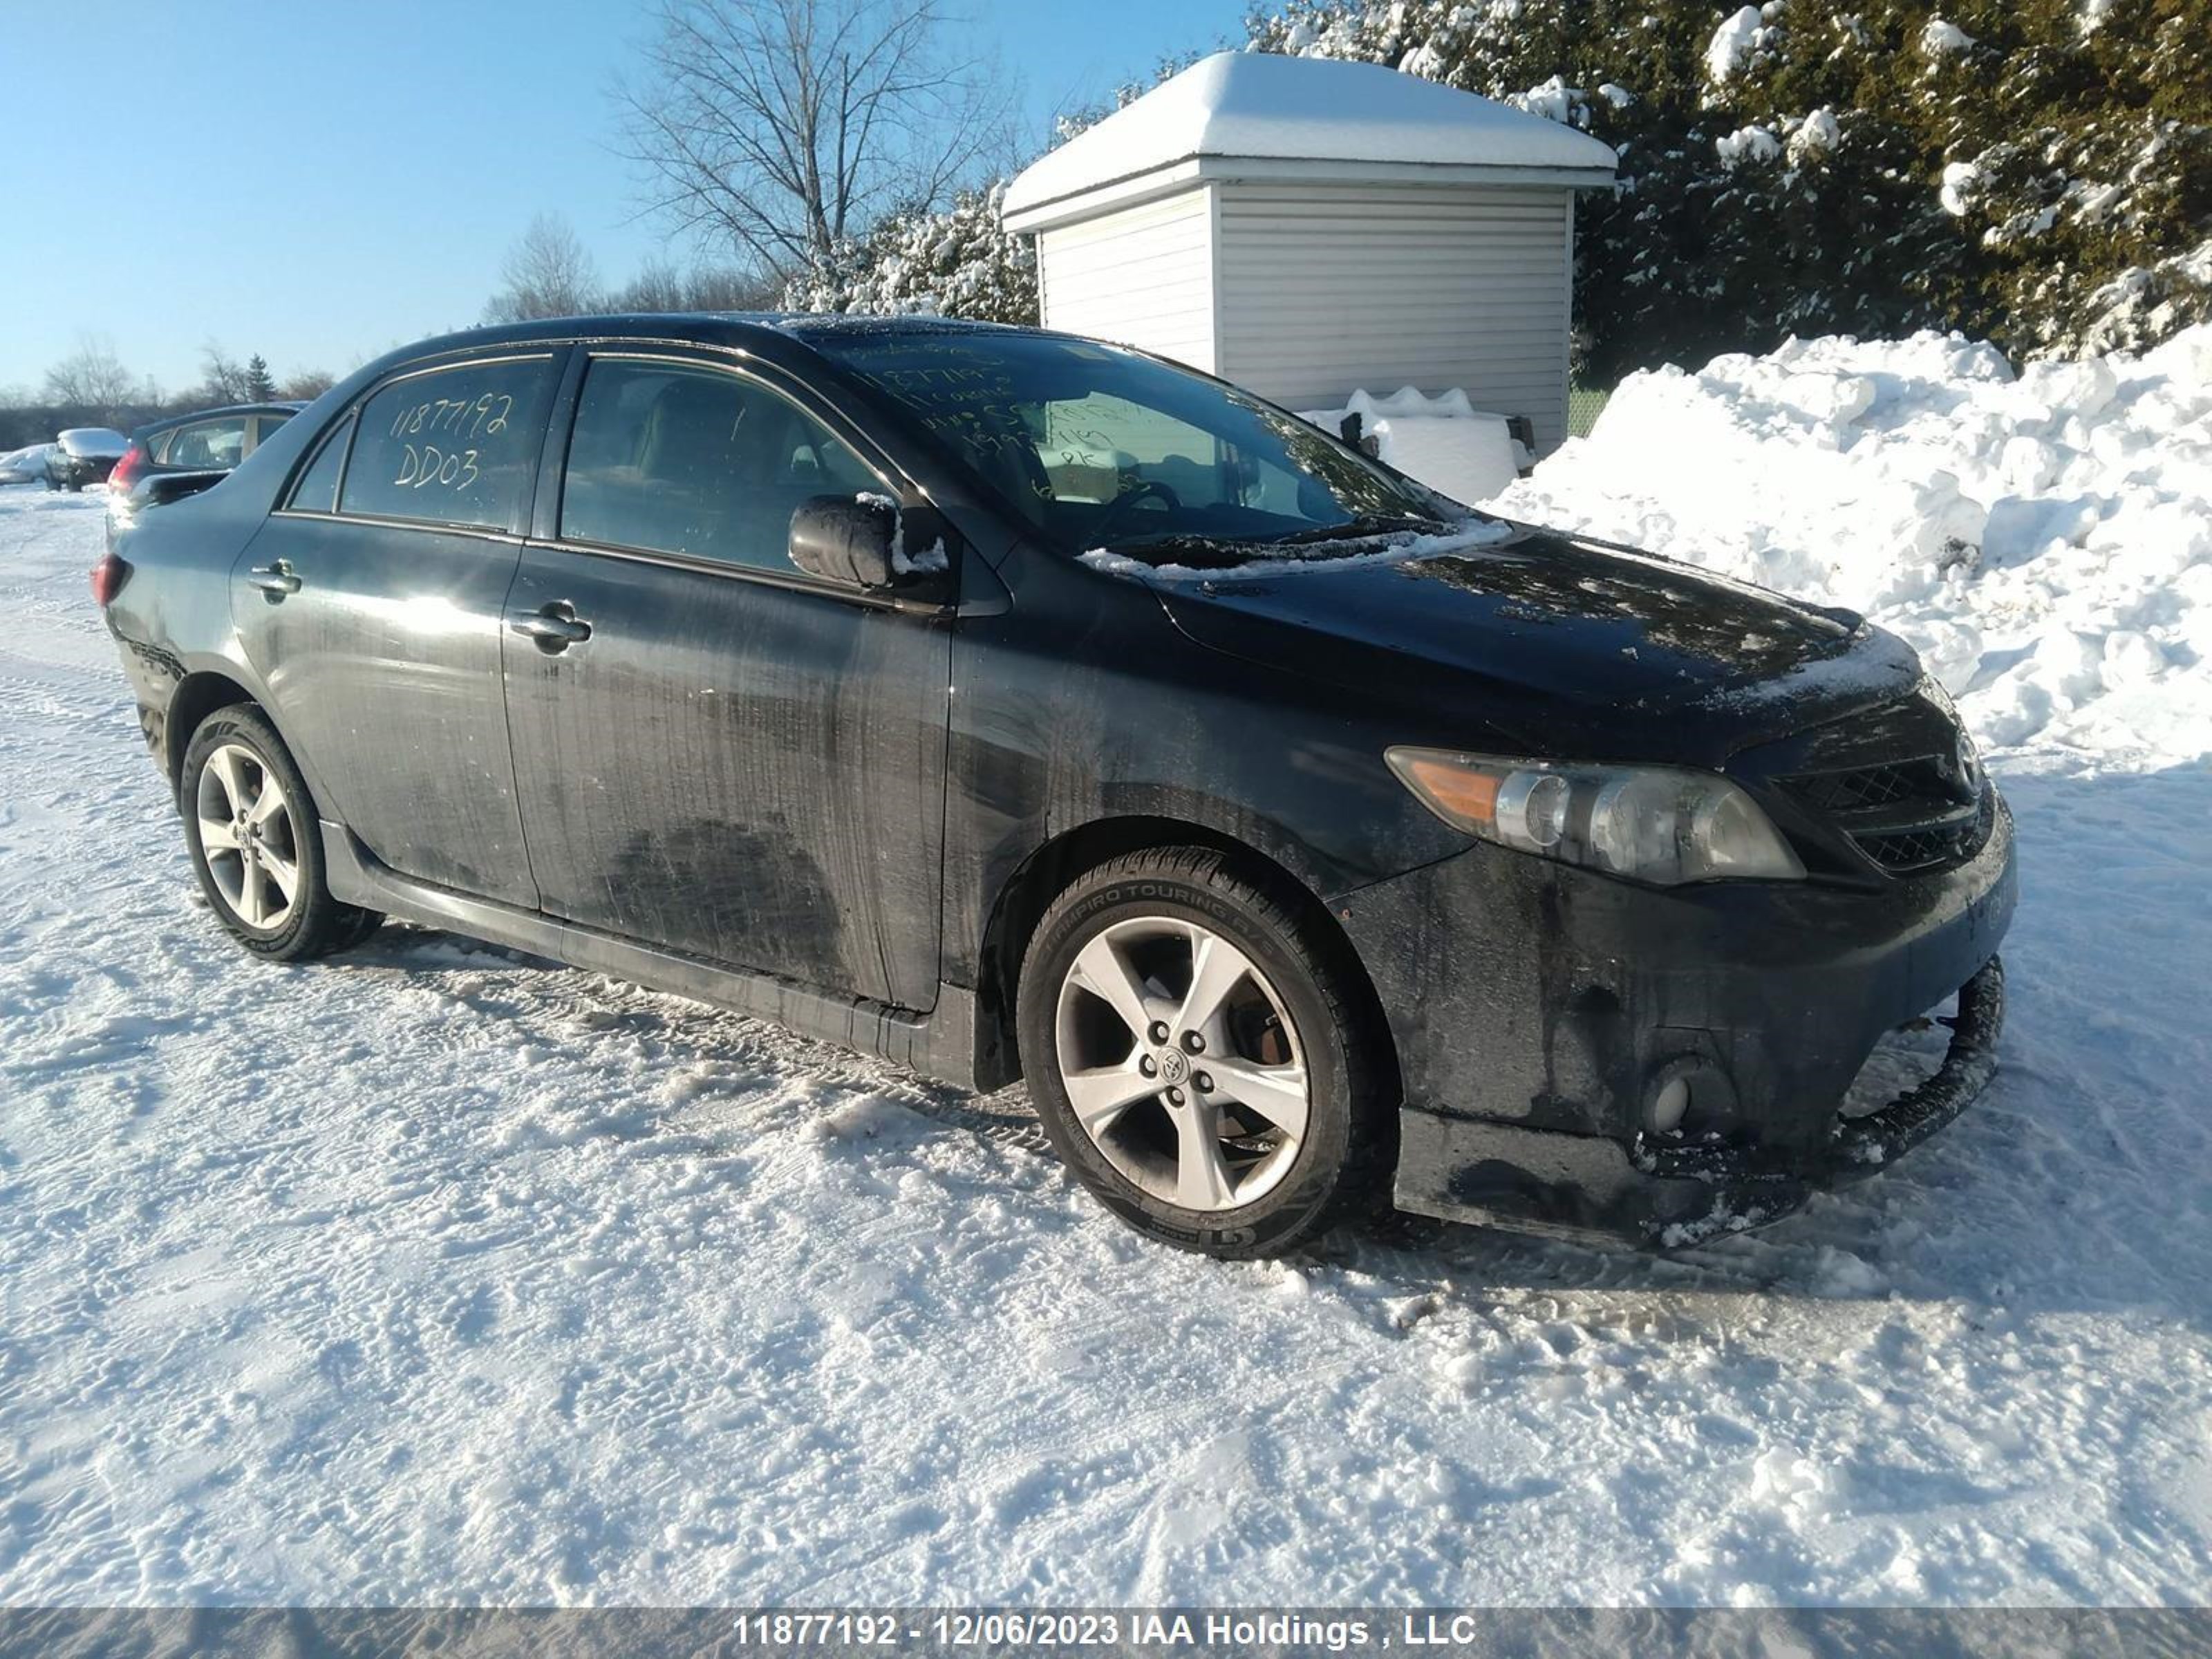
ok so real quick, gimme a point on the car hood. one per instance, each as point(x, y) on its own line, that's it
point(1557, 639)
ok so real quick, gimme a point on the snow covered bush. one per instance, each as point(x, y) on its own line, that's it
point(2035, 172)
point(958, 263)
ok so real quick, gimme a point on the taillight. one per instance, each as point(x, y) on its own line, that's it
point(127, 470)
point(108, 577)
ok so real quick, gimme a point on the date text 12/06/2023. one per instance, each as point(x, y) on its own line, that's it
point(1163, 1631)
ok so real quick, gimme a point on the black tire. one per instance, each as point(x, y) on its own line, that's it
point(1341, 1168)
point(315, 924)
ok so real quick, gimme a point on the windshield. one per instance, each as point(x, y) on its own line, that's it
point(1100, 448)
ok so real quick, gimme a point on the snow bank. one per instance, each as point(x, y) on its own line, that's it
point(2043, 540)
point(1444, 441)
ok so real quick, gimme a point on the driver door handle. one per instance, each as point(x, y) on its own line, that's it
point(555, 627)
point(274, 580)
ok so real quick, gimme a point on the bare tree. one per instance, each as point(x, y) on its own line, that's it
point(728, 288)
point(547, 273)
point(91, 378)
point(223, 378)
point(307, 383)
point(659, 285)
point(784, 127)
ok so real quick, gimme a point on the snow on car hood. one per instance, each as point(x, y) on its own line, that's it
point(93, 442)
point(1542, 620)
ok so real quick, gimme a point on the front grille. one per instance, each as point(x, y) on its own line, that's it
point(1928, 847)
point(1893, 783)
point(1885, 785)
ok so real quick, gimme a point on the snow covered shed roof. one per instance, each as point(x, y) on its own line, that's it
point(1251, 115)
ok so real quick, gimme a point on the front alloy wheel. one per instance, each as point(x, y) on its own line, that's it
point(1199, 1046)
point(1181, 1063)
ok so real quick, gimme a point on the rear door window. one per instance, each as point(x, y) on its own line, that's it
point(452, 445)
point(208, 445)
point(676, 457)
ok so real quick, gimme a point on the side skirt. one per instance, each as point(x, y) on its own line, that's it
point(940, 1045)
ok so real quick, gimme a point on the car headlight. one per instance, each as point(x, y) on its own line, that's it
point(1662, 825)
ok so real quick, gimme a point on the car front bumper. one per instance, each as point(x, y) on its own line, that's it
point(1539, 1012)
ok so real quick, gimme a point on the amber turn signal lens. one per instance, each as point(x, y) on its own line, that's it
point(1471, 796)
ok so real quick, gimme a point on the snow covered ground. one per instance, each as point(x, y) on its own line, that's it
point(431, 1273)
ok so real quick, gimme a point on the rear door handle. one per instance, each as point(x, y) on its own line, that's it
point(554, 626)
point(274, 580)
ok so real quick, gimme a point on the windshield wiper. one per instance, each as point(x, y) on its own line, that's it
point(1218, 552)
point(1366, 525)
point(1185, 547)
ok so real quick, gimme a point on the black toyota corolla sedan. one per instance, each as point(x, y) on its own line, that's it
point(1008, 704)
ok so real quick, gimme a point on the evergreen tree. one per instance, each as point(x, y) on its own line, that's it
point(260, 385)
point(2078, 143)
point(2037, 171)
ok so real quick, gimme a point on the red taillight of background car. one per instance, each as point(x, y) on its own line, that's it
point(127, 470)
point(108, 577)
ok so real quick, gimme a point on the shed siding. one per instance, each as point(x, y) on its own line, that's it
point(1328, 289)
point(1143, 276)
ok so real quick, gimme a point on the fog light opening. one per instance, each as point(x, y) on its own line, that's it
point(1689, 1099)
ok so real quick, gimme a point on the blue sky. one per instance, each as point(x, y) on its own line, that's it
point(319, 181)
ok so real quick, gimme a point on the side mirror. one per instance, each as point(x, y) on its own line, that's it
point(847, 539)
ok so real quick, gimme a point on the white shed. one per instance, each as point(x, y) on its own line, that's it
point(1307, 229)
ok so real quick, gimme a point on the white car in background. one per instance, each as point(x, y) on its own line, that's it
point(25, 465)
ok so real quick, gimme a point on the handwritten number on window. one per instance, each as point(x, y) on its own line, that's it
point(447, 425)
point(484, 417)
point(428, 464)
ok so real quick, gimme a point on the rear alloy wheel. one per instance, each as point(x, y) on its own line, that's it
point(1192, 1048)
point(253, 834)
point(249, 834)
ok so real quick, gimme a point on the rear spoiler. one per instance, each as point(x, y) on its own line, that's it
point(166, 487)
